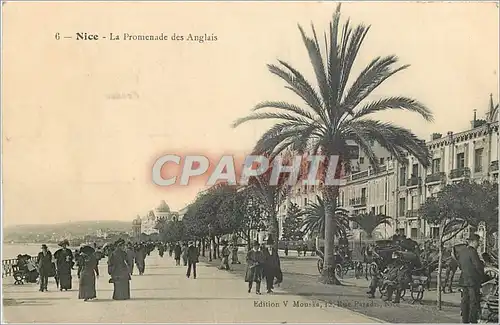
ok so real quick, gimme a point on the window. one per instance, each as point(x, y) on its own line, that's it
point(305, 201)
point(414, 233)
point(381, 161)
point(436, 165)
point(402, 176)
point(402, 206)
point(373, 210)
point(460, 160)
point(363, 192)
point(414, 170)
point(342, 199)
point(401, 231)
point(361, 160)
point(478, 160)
point(434, 232)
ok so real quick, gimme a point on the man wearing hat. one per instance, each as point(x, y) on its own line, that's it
point(64, 265)
point(471, 278)
point(45, 267)
point(192, 255)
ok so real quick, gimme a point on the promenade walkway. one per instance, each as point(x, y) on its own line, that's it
point(165, 295)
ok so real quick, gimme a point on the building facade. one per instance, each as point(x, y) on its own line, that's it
point(399, 189)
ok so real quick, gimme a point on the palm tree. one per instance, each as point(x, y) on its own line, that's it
point(335, 115)
point(314, 219)
point(370, 221)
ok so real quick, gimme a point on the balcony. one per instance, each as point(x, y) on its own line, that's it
point(360, 175)
point(414, 181)
point(460, 173)
point(439, 177)
point(359, 201)
point(494, 166)
point(411, 214)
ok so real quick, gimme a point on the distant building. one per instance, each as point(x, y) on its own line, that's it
point(137, 228)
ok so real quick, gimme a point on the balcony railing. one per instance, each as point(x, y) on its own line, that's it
point(435, 177)
point(360, 175)
point(412, 213)
point(359, 201)
point(414, 181)
point(494, 166)
point(460, 173)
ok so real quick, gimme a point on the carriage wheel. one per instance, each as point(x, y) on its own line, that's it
point(345, 270)
point(402, 293)
point(320, 266)
point(417, 296)
point(373, 269)
point(339, 271)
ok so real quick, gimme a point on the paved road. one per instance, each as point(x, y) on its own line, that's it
point(300, 278)
point(165, 295)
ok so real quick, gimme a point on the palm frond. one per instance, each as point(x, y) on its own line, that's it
point(402, 103)
point(270, 116)
point(393, 138)
point(285, 106)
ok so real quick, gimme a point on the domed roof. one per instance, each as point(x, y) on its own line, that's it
point(163, 207)
point(137, 221)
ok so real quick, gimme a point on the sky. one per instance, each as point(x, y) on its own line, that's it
point(83, 121)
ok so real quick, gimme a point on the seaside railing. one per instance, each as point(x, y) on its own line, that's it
point(8, 266)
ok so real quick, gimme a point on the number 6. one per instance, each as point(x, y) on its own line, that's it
point(57, 36)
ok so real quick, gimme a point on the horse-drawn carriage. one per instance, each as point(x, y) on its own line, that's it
point(386, 254)
point(343, 260)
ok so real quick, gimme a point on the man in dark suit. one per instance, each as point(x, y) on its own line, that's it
point(45, 267)
point(192, 257)
point(471, 278)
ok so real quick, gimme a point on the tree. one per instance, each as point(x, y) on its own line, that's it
point(249, 214)
point(292, 224)
point(335, 115)
point(269, 196)
point(173, 232)
point(456, 207)
point(370, 221)
point(313, 219)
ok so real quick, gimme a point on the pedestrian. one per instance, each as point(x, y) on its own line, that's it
point(471, 278)
point(286, 248)
point(64, 265)
point(271, 267)
point(130, 257)
point(225, 256)
point(88, 271)
point(234, 253)
point(45, 267)
point(119, 271)
point(177, 254)
point(184, 254)
point(170, 249)
point(192, 259)
point(255, 261)
point(140, 258)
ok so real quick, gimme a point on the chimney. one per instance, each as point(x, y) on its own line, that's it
point(473, 122)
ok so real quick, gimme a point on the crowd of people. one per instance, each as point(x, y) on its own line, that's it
point(262, 264)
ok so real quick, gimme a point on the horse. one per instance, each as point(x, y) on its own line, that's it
point(430, 257)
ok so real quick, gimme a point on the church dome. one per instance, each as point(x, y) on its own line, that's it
point(163, 207)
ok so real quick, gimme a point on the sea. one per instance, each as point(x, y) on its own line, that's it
point(10, 250)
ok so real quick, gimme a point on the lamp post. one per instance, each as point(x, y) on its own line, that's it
point(210, 242)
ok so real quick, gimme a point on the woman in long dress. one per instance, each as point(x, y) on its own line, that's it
point(64, 264)
point(119, 271)
point(88, 271)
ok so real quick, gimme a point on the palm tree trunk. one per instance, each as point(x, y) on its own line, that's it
point(330, 194)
